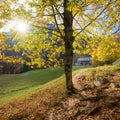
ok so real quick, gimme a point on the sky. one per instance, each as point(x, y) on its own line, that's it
point(15, 22)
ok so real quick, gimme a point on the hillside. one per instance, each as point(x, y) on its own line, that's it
point(14, 86)
point(98, 96)
point(30, 94)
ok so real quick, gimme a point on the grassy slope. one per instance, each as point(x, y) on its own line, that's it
point(19, 85)
point(102, 71)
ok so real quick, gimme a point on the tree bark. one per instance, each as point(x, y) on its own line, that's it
point(68, 39)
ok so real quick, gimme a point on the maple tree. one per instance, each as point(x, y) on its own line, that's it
point(72, 18)
point(104, 50)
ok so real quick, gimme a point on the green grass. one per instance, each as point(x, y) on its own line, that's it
point(102, 71)
point(21, 85)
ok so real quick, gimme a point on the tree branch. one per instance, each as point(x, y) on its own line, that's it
point(118, 30)
point(58, 11)
point(75, 14)
point(82, 28)
point(93, 19)
point(47, 28)
point(56, 21)
point(55, 34)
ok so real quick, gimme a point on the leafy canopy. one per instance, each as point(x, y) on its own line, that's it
point(90, 18)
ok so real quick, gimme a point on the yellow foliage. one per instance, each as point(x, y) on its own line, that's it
point(87, 14)
point(104, 50)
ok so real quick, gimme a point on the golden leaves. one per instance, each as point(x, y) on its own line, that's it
point(104, 49)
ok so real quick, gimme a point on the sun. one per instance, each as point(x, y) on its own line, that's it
point(18, 25)
point(21, 26)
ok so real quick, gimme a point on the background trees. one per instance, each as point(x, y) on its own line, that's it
point(104, 50)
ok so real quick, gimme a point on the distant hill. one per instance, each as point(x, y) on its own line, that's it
point(116, 62)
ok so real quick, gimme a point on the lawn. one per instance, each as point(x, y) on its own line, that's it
point(21, 85)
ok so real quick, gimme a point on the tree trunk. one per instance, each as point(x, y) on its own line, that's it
point(68, 39)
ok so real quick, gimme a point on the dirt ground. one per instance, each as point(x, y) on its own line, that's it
point(91, 102)
point(32, 107)
point(94, 100)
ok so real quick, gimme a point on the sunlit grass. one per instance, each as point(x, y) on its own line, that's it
point(102, 71)
point(22, 85)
